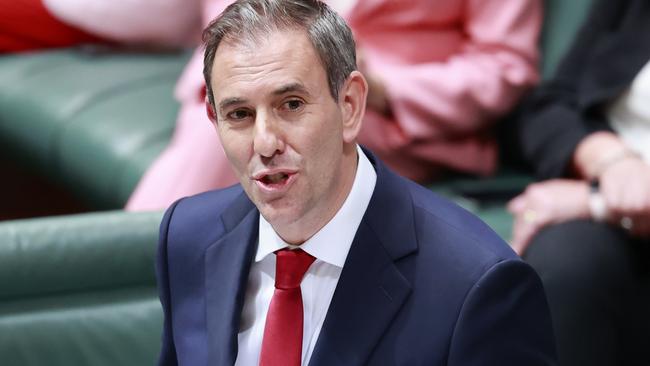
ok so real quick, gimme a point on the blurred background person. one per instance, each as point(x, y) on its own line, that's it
point(38, 24)
point(586, 228)
point(440, 73)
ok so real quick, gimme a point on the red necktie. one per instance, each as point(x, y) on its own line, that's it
point(282, 342)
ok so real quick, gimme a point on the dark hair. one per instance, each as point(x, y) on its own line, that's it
point(248, 20)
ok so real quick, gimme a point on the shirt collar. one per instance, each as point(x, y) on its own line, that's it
point(332, 242)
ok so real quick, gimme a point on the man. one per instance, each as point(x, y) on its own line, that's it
point(380, 271)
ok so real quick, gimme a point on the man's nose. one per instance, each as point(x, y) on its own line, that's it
point(268, 140)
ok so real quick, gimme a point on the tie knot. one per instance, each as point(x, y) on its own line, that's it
point(291, 266)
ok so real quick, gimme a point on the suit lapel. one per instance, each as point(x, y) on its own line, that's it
point(369, 294)
point(227, 264)
point(371, 289)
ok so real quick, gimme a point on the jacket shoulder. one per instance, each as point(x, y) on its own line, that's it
point(456, 231)
point(196, 221)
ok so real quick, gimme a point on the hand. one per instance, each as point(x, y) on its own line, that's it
point(625, 186)
point(546, 203)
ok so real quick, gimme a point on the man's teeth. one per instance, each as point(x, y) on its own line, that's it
point(275, 178)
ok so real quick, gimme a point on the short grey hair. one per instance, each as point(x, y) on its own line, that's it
point(249, 20)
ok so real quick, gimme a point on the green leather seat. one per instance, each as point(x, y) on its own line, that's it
point(562, 19)
point(90, 120)
point(79, 290)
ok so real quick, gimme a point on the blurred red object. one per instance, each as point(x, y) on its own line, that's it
point(26, 25)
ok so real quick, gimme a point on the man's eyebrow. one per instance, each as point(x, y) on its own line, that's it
point(229, 102)
point(289, 88)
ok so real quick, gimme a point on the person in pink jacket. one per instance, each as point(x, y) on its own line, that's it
point(440, 73)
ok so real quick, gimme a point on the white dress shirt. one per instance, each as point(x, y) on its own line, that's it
point(330, 245)
point(629, 115)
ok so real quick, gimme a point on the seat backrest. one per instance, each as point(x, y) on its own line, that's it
point(79, 290)
point(562, 18)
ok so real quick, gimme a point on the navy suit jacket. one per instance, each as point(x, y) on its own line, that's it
point(424, 283)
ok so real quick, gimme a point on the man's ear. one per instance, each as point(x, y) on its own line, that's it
point(209, 109)
point(352, 100)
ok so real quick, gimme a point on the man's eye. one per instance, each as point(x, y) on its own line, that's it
point(238, 114)
point(293, 105)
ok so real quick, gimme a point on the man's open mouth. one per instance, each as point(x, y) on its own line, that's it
point(277, 178)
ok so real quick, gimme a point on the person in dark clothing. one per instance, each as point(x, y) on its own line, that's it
point(586, 226)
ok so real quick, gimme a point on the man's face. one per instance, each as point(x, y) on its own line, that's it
point(283, 132)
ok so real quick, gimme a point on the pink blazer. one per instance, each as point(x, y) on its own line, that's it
point(451, 68)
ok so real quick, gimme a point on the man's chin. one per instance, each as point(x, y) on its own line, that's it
point(277, 215)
